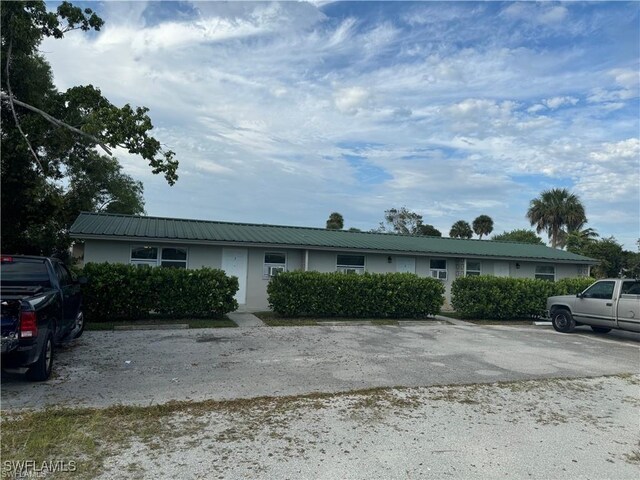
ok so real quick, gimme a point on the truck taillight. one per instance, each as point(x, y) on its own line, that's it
point(28, 325)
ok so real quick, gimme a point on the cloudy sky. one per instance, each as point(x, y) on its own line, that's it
point(284, 112)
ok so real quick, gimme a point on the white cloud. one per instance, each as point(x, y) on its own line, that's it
point(261, 102)
point(557, 102)
point(349, 100)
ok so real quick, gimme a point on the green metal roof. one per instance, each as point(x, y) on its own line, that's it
point(111, 226)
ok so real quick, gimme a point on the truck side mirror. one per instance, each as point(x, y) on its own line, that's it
point(580, 295)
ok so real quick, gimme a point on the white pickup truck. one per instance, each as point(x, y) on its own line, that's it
point(608, 303)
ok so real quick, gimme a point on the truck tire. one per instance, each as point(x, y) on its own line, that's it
point(41, 370)
point(601, 329)
point(80, 323)
point(563, 321)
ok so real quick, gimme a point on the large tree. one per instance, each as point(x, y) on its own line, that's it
point(483, 225)
point(335, 221)
point(52, 140)
point(554, 210)
point(404, 221)
point(520, 235)
point(461, 229)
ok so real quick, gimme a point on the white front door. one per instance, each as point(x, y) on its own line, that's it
point(405, 264)
point(501, 269)
point(234, 263)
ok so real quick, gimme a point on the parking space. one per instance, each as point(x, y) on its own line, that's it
point(149, 367)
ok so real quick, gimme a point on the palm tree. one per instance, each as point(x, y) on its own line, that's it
point(461, 229)
point(554, 209)
point(483, 225)
point(577, 237)
point(335, 222)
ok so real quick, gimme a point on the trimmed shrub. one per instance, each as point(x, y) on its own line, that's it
point(489, 297)
point(571, 286)
point(126, 292)
point(394, 295)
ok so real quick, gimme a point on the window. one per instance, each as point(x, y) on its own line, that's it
point(170, 257)
point(546, 272)
point(64, 277)
point(630, 288)
point(601, 290)
point(174, 257)
point(144, 256)
point(472, 268)
point(438, 268)
point(274, 263)
point(350, 263)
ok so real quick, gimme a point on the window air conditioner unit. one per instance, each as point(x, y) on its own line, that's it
point(273, 271)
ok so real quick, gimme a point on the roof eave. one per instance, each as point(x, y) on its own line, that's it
point(81, 236)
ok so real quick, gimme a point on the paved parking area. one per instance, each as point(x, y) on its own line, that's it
point(148, 367)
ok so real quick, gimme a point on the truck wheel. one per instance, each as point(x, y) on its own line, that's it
point(601, 329)
point(79, 324)
point(563, 321)
point(41, 370)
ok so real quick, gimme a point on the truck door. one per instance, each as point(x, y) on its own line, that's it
point(596, 306)
point(70, 295)
point(629, 306)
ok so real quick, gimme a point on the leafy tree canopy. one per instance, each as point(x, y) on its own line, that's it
point(519, 235)
point(461, 229)
point(483, 225)
point(52, 166)
point(335, 222)
point(406, 222)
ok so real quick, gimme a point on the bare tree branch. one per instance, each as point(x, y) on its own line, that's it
point(13, 109)
point(55, 121)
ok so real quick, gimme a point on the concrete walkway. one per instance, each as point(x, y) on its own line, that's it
point(245, 320)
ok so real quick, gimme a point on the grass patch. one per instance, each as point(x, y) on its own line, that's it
point(489, 321)
point(90, 436)
point(192, 322)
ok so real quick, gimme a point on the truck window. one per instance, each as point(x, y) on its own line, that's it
point(24, 273)
point(603, 290)
point(64, 277)
point(630, 288)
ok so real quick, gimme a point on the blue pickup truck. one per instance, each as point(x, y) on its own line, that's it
point(40, 306)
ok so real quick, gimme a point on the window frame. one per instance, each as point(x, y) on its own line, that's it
point(436, 273)
point(600, 282)
point(474, 273)
point(351, 268)
point(545, 276)
point(158, 261)
point(266, 266)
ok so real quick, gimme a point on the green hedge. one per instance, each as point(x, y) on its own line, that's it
point(395, 295)
point(126, 292)
point(488, 297)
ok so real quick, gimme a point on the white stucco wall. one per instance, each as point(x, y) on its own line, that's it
point(199, 256)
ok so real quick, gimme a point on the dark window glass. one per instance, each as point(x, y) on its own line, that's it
point(351, 260)
point(602, 290)
point(144, 253)
point(630, 288)
point(24, 273)
point(63, 275)
point(275, 258)
point(174, 254)
point(438, 264)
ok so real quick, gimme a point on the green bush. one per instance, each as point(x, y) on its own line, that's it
point(488, 297)
point(571, 286)
point(394, 295)
point(126, 292)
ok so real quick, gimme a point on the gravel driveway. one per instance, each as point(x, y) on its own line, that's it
point(147, 367)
